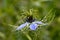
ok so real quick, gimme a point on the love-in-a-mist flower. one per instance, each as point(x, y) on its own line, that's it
point(33, 24)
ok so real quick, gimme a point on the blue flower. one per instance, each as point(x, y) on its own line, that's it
point(32, 26)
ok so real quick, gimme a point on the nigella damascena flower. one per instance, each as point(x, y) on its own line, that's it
point(33, 25)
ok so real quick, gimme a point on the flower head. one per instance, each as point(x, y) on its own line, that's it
point(32, 26)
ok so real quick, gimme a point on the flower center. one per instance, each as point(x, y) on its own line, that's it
point(30, 19)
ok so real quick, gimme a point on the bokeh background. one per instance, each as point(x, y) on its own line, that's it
point(13, 13)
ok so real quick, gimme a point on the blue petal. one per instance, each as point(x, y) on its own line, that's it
point(22, 26)
point(38, 22)
point(33, 26)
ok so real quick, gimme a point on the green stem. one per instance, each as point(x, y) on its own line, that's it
point(27, 35)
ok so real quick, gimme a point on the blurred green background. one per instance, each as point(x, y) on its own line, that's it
point(12, 14)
